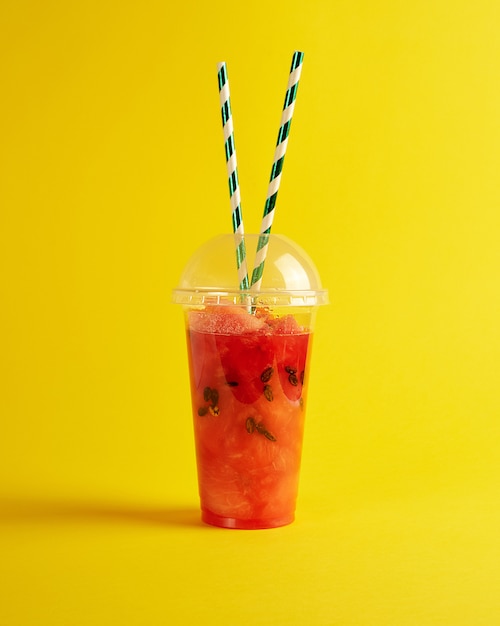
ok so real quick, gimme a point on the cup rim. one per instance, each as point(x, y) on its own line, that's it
point(214, 296)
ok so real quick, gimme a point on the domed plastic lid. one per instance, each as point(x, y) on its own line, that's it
point(289, 278)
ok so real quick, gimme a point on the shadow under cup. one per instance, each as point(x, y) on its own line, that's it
point(249, 353)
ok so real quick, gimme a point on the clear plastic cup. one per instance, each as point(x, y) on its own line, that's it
point(249, 354)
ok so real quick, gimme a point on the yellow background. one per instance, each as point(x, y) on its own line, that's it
point(112, 172)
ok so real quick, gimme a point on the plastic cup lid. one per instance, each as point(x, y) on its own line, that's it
point(290, 277)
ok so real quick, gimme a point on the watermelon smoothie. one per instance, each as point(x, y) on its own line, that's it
point(248, 373)
point(249, 352)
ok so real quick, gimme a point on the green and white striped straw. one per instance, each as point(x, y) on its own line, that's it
point(277, 168)
point(232, 173)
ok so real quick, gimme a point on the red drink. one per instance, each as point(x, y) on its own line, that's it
point(249, 371)
point(248, 387)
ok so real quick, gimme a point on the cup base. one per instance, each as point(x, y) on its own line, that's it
point(244, 524)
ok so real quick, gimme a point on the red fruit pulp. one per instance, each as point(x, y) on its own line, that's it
point(248, 377)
